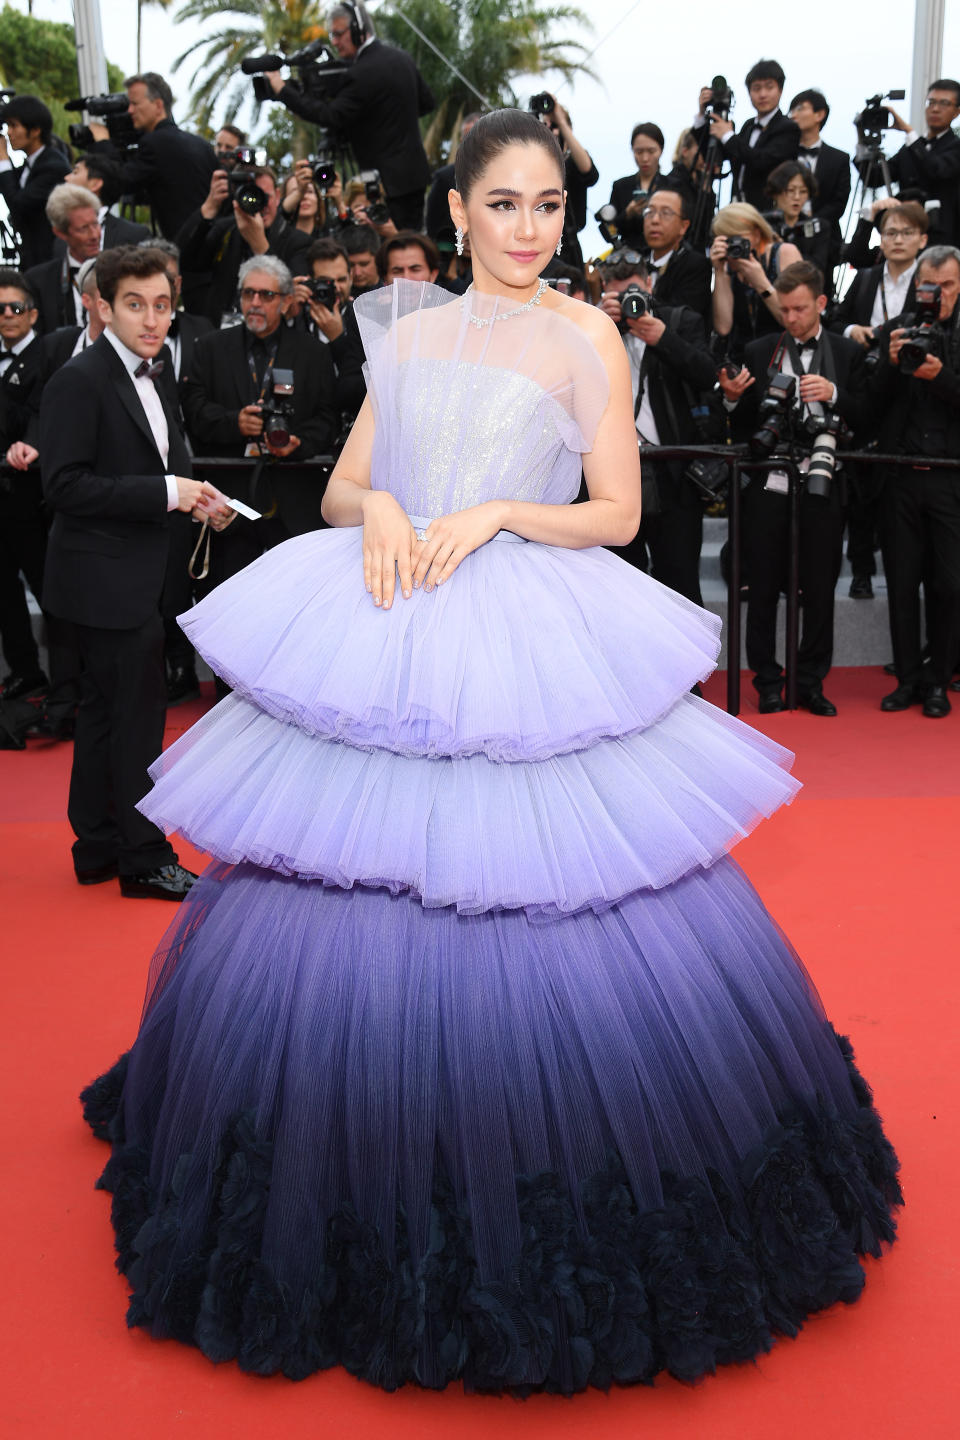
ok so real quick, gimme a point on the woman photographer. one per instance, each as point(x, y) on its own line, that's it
point(305, 208)
point(359, 206)
point(745, 304)
point(629, 194)
point(792, 186)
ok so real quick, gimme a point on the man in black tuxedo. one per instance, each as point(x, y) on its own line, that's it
point(213, 246)
point(29, 126)
point(680, 275)
point(763, 142)
point(879, 293)
point(73, 215)
point(931, 163)
point(919, 406)
point(223, 396)
point(377, 109)
point(334, 325)
point(170, 168)
point(830, 377)
point(670, 364)
point(829, 166)
point(114, 462)
point(101, 176)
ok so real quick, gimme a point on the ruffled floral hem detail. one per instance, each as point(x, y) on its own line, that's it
point(615, 1297)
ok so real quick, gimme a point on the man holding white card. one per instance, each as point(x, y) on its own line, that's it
point(825, 379)
point(115, 467)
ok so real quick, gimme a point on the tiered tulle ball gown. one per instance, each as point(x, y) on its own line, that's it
point(472, 1055)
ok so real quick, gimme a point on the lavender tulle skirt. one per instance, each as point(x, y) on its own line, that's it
point(473, 1056)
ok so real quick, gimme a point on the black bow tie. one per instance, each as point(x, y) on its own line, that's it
point(806, 345)
point(149, 368)
point(809, 150)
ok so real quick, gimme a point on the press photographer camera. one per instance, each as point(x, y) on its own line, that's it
point(114, 110)
point(788, 427)
point(930, 164)
point(318, 72)
point(919, 337)
point(243, 188)
point(276, 408)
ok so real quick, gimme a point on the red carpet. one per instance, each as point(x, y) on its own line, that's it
point(862, 872)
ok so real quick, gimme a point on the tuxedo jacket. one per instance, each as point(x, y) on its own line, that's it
point(28, 207)
point(779, 140)
point(856, 307)
point(850, 377)
point(212, 251)
point(54, 290)
point(116, 231)
point(18, 386)
point(170, 169)
point(680, 363)
point(686, 280)
point(50, 352)
point(936, 172)
point(219, 384)
point(832, 175)
point(103, 483)
point(621, 193)
point(894, 395)
point(378, 109)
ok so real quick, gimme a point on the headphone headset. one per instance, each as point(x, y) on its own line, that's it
point(358, 28)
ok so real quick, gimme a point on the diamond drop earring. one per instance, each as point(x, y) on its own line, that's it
point(559, 244)
point(459, 241)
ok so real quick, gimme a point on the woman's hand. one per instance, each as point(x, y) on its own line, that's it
point(388, 543)
point(752, 273)
point(718, 252)
point(450, 539)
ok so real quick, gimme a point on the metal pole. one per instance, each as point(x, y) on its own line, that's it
point(793, 587)
point(733, 589)
point(927, 57)
point(91, 60)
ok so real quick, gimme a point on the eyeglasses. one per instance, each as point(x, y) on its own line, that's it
point(13, 307)
point(933, 104)
point(899, 234)
point(249, 293)
point(339, 34)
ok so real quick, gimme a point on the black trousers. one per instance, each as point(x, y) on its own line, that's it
point(864, 512)
point(766, 547)
point(406, 211)
point(667, 546)
point(23, 543)
point(922, 547)
point(119, 733)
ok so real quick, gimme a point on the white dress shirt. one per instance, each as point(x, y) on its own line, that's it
point(152, 409)
point(646, 424)
point(893, 292)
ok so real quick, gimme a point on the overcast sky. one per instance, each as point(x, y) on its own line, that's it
point(652, 69)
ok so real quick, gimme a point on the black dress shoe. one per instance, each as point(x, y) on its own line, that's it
point(861, 588)
point(167, 882)
point(936, 703)
point(890, 669)
point(25, 687)
point(902, 698)
point(182, 684)
point(817, 703)
point(97, 874)
point(770, 701)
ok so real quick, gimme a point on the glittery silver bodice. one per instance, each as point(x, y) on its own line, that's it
point(463, 415)
point(469, 433)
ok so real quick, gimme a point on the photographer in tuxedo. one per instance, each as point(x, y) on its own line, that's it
point(114, 467)
point(931, 163)
point(830, 379)
point(917, 395)
point(73, 215)
point(829, 166)
point(680, 275)
point(670, 365)
point(763, 142)
point(378, 107)
point(29, 125)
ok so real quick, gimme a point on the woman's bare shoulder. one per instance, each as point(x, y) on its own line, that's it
point(595, 324)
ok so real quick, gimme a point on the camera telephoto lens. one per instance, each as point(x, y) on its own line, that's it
point(634, 303)
point(246, 193)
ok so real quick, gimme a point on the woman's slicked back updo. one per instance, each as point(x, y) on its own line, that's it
point(494, 132)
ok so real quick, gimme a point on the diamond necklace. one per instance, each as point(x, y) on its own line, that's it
point(480, 321)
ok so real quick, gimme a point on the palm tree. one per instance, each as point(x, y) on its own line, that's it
point(254, 26)
point(491, 42)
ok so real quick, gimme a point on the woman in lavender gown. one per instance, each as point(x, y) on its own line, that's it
point(473, 1055)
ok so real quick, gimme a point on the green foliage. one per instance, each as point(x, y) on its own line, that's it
point(39, 57)
point(492, 43)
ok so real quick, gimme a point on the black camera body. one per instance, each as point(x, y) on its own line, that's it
point(320, 73)
point(377, 212)
point(114, 111)
point(324, 291)
point(775, 415)
point(721, 101)
point(738, 247)
point(246, 193)
point(606, 218)
point(276, 409)
point(324, 163)
point(920, 338)
point(874, 118)
point(541, 103)
point(634, 303)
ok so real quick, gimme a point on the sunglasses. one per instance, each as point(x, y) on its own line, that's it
point(632, 257)
point(249, 293)
point(13, 307)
